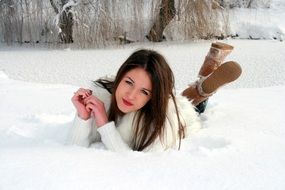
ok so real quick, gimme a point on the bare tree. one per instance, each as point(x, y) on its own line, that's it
point(99, 23)
point(20, 23)
point(199, 19)
point(166, 14)
point(8, 15)
point(28, 20)
point(66, 21)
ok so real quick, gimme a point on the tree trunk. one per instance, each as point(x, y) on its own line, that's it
point(29, 22)
point(54, 7)
point(166, 14)
point(21, 24)
point(65, 21)
point(249, 4)
point(66, 24)
point(9, 15)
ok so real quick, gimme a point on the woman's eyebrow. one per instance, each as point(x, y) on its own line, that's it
point(131, 79)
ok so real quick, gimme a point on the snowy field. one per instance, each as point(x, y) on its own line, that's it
point(241, 145)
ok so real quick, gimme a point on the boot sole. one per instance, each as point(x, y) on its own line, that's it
point(226, 73)
point(222, 46)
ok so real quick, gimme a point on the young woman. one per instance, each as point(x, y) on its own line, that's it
point(138, 110)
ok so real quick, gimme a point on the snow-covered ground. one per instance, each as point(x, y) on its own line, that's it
point(260, 22)
point(241, 145)
point(262, 62)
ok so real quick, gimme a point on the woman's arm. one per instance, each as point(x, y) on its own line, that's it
point(78, 101)
point(109, 134)
point(83, 132)
point(112, 138)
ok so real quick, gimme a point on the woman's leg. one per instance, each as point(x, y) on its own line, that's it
point(212, 75)
point(215, 57)
point(200, 108)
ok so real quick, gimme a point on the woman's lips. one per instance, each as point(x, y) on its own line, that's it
point(127, 103)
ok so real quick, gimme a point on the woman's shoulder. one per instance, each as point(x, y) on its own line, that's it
point(110, 78)
point(97, 90)
point(184, 106)
point(189, 117)
point(97, 84)
point(100, 91)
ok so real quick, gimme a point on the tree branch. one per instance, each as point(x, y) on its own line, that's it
point(54, 7)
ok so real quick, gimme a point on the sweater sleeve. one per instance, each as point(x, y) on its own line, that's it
point(112, 139)
point(83, 132)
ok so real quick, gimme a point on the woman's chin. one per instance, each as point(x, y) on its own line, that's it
point(123, 109)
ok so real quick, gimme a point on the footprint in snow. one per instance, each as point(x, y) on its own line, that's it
point(208, 144)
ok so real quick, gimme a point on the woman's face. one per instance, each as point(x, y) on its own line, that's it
point(134, 90)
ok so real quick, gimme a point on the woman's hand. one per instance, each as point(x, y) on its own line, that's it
point(78, 102)
point(97, 108)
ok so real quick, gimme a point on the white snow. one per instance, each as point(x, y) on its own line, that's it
point(258, 23)
point(241, 145)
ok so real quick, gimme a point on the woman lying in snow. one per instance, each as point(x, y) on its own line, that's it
point(137, 109)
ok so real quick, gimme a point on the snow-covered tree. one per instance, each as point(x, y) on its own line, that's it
point(64, 19)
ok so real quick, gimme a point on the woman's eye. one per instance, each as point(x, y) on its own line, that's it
point(129, 82)
point(145, 92)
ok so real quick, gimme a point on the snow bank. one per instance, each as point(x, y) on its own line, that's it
point(241, 145)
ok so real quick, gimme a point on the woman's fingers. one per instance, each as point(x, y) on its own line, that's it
point(99, 113)
point(83, 93)
point(93, 108)
point(93, 100)
point(90, 107)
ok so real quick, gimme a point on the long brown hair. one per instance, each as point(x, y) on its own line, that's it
point(151, 118)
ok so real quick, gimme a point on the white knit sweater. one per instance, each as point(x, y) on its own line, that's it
point(118, 138)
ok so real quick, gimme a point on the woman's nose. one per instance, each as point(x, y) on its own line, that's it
point(132, 94)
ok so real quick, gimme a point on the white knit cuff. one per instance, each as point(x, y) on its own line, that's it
point(107, 128)
point(111, 138)
point(80, 132)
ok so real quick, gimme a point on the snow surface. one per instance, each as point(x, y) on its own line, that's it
point(241, 145)
point(259, 23)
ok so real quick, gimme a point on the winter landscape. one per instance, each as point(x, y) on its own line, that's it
point(241, 144)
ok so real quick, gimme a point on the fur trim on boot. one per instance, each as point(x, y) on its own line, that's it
point(207, 86)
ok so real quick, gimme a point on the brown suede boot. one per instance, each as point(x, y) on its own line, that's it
point(207, 86)
point(215, 57)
